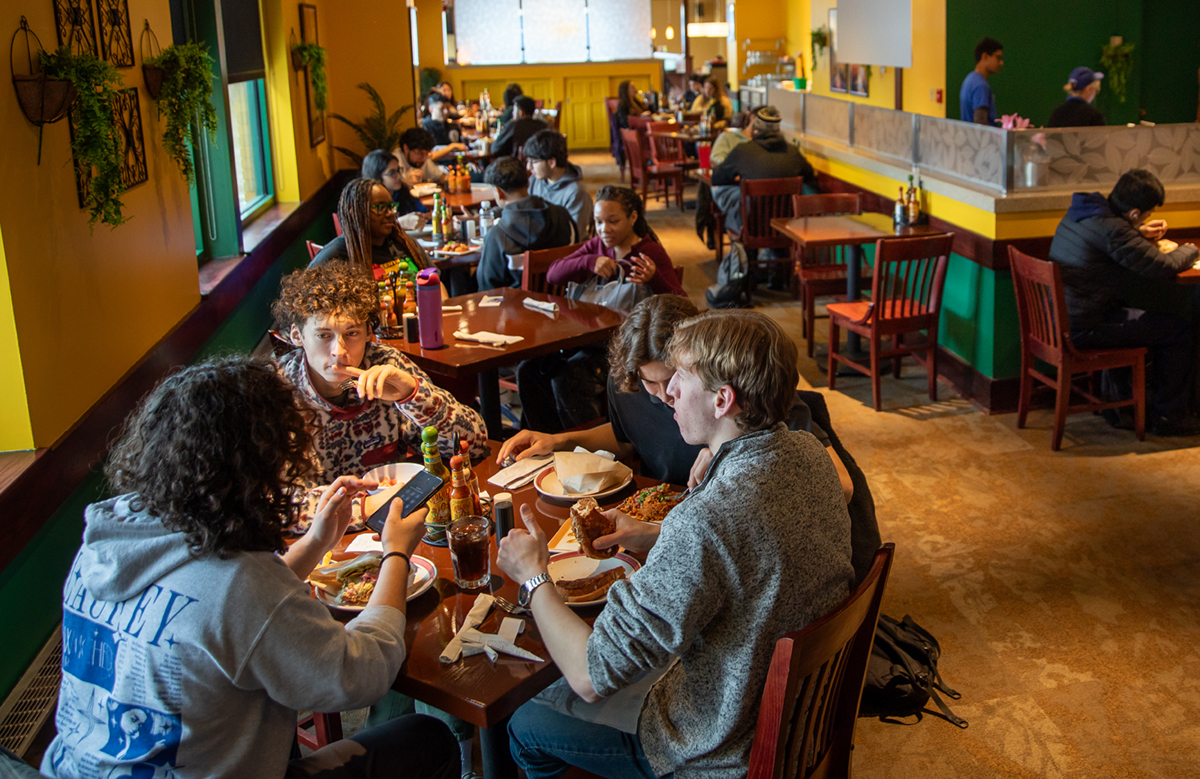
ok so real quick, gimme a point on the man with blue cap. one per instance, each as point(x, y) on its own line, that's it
point(1082, 88)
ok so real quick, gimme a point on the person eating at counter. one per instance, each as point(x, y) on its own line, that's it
point(369, 400)
point(759, 548)
point(1098, 244)
point(1082, 87)
point(976, 102)
point(191, 639)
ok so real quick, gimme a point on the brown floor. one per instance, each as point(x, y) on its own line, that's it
point(1064, 587)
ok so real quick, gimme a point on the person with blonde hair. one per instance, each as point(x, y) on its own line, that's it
point(1082, 87)
point(759, 548)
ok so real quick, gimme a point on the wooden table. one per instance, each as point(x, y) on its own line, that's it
point(575, 324)
point(479, 193)
point(685, 137)
point(852, 231)
point(473, 689)
point(1191, 275)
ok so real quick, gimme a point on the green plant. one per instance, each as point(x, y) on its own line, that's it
point(1118, 63)
point(312, 56)
point(186, 97)
point(430, 78)
point(97, 142)
point(820, 39)
point(378, 130)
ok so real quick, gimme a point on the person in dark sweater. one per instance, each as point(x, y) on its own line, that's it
point(768, 155)
point(511, 93)
point(759, 548)
point(438, 123)
point(1100, 245)
point(1078, 111)
point(526, 223)
point(512, 136)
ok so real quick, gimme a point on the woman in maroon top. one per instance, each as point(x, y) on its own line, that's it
point(622, 238)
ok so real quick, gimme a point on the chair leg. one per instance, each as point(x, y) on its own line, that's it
point(1062, 402)
point(810, 318)
point(875, 390)
point(932, 366)
point(1139, 398)
point(834, 338)
point(897, 342)
point(1026, 394)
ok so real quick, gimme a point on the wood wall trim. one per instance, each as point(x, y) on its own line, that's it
point(33, 497)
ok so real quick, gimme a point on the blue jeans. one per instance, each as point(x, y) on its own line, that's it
point(545, 743)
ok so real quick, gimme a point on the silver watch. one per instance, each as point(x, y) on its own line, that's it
point(525, 592)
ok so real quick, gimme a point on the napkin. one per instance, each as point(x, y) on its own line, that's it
point(549, 306)
point(498, 643)
point(510, 628)
point(520, 473)
point(484, 337)
point(364, 543)
point(583, 472)
point(451, 309)
point(491, 301)
point(475, 618)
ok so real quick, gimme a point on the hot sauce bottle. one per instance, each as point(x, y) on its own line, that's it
point(439, 504)
point(462, 505)
point(472, 480)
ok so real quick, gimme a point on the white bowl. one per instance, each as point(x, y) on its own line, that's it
point(401, 472)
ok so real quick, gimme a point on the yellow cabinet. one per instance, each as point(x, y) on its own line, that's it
point(585, 119)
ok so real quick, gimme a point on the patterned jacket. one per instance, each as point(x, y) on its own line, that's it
point(355, 439)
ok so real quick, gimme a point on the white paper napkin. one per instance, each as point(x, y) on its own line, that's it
point(510, 628)
point(475, 618)
point(491, 301)
point(451, 309)
point(364, 543)
point(521, 472)
point(484, 337)
point(549, 306)
point(497, 643)
point(583, 473)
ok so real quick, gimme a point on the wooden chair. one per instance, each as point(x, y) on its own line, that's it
point(616, 145)
point(537, 264)
point(810, 703)
point(326, 729)
point(641, 173)
point(906, 297)
point(821, 271)
point(313, 250)
point(668, 150)
point(1045, 336)
point(337, 224)
point(557, 116)
point(763, 200)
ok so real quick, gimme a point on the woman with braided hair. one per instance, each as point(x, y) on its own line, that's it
point(371, 238)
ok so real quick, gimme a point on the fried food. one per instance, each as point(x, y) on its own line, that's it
point(651, 504)
point(588, 524)
point(589, 588)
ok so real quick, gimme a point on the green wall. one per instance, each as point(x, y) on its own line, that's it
point(1044, 41)
point(1171, 52)
point(979, 318)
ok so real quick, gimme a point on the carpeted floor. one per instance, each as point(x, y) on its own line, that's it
point(1064, 587)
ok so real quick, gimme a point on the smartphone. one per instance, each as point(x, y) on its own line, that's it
point(415, 494)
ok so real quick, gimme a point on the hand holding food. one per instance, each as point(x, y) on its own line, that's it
point(634, 535)
point(415, 176)
point(383, 382)
point(523, 553)
point(1153, 229)
point(588, 523)
point(526, 443)
point(643, 269)
point(605, 267)
point(1166, 246)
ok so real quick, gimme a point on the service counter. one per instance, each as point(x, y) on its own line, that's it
point(994, 189)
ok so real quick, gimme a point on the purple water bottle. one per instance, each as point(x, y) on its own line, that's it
point(429, 309)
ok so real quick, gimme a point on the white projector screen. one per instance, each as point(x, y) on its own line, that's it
point(875, 32)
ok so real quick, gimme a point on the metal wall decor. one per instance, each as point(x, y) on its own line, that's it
point(308, 34)
point(116, 38)
point(75, 25)
point(127, 116)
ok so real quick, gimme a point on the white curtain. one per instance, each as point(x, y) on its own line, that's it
point(487, 32)
point(619, 29)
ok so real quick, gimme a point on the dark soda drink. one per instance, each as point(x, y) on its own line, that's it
point(469, 552)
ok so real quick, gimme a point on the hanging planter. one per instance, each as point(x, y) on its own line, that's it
point(43, 100)
point(1117, 59)
point(312, 56)
point(153, 75)
point(185, 98)
point(820, 40)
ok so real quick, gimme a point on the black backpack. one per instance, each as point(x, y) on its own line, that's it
point(902, 674)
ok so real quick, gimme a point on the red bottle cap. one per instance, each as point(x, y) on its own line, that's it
point(427, 281)
point(455, 463)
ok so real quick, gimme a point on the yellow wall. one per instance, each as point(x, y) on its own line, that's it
point(929, 56)
point(15, 431)
point(87, 306)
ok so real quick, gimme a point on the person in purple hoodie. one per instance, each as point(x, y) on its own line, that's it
point(1100, 245)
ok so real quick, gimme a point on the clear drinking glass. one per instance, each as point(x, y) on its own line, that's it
point(469, 552)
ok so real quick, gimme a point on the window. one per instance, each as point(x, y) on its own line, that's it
point(251, 147)
point(503, 32)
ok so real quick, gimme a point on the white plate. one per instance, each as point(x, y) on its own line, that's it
point(421, 576)
point(401, 472)
point(425, 189)
point(547, 484)
point(575, 565)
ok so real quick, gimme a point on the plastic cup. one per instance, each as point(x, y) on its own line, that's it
point(704, 152)
point(470, 552)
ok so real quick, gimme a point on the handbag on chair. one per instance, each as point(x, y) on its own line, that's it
point(619, 294)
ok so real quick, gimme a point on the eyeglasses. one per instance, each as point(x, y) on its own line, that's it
point(383, 209)
point(393, 172)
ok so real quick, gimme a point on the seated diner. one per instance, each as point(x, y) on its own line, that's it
point(384, 167)
point(371, 238)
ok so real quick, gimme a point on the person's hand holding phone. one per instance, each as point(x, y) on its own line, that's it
point(402, 533)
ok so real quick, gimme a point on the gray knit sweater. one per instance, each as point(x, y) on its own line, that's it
point(760, 548)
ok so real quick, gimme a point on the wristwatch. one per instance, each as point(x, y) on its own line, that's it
point(525, 592)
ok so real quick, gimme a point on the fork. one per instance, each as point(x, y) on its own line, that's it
point(349, 385)
point(509, 606)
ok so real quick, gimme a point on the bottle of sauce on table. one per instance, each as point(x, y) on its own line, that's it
point(914, 203)
point(439, 504)
point(429, 309)
point(900, 212)
point(436, 219)
point(461, 503)
point(464, 451)
point(410, 299)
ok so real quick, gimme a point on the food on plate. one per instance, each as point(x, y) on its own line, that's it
point(651, 504)
point(589, 588)
point(455, 246)
point(358, 580)
point(588, 524)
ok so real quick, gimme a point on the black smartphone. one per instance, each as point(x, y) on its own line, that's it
point(415, 494)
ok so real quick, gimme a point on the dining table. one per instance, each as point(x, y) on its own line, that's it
point(575, 323)
point(479, 194)
point(475, 689)
point(852, 231)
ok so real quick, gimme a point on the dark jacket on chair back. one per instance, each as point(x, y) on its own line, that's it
point(1099, 251)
